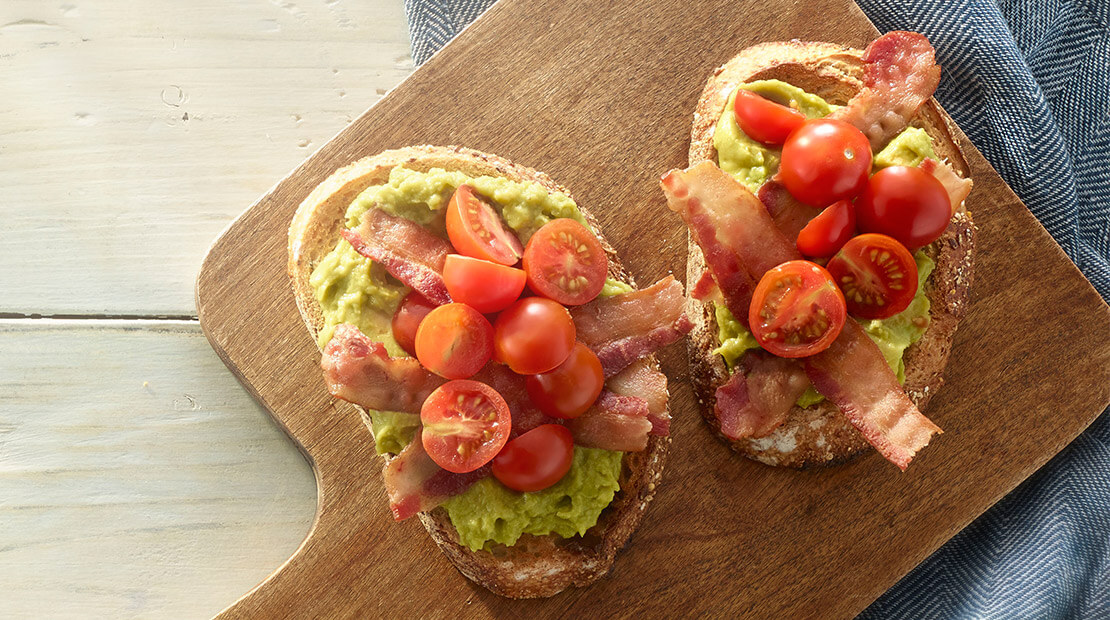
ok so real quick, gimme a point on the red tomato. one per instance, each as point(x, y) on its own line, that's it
point(829, 231)
point(476, 230)
point(533, 335)
point(571, 388)
point(564, 261)
point(906, 203)
point(454, 341)
point(877, 274)
point(825, 160)
point(535, 460)
point(414, 307)
point(764, 120)
point(485, 286)
point(466, 423)
point(796, 310)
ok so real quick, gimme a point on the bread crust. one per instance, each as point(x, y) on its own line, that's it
point(537, 566)
point(819, 435)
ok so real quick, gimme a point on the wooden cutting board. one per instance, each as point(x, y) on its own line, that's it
point(600, 96)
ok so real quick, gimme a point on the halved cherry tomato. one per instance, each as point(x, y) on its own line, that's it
point(476, 230)
point(564, 261)
point(483, 285)
point(571, 388)
point(796, 310)
point(764, 120)
point(829, 231)
point(454, 341)
point(466, 423)
point(825, 160)
point(877, 275)
point(906, 203)
point(414, 307)
point(535, 460)
point(533, 335)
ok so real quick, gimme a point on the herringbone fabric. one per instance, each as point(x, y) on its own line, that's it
point(1029, 82)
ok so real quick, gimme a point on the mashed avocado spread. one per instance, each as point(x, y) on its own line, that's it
point(752, 164)
point(352, 289)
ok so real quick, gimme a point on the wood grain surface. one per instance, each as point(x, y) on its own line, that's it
point(601, 98)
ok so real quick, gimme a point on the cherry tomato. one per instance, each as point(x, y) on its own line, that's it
point(877, 275)
point(564, 261)
point(414, 307)
point(796, 310)
point(536, 459)
point(829, 231)
point(483, 285)
point(906, 203)
point(466, 423)
point(764, 120)
point(825, 160)
point(454, 341)
point(476, 230)
point(571, 388)
point(533, 335)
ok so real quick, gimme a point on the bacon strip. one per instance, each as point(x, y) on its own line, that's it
point(757, 397)
point(645, 382)
point(705, 289)
point(958, 187)
point(406, 250)
point(414, 483)
point(358, 370)
point(853, 375)
point(624, 328)
point(614, 422)
point(900, 75)
point(790, 215)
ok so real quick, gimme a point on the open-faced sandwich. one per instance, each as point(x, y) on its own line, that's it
point(830, 252)
point(499, 354)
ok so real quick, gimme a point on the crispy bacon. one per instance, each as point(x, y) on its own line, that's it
point(705, 289)
point(614, 422)
point(900, 74)
point(958, 187)
point(358, 370)
point(624, 328)
point(853, 374)
point(757, 397)
point(414, 483)
point(406, 250)
point(641, 380)
point(790, 215)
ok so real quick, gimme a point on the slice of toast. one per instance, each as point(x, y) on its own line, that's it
point(536, 566)
point(820, 435)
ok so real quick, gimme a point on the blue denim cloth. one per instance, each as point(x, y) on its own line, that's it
point(1029, 82)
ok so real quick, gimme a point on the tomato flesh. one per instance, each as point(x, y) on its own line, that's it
point(414, 307)
point(826, 233)
point(764, 120)
point(465, 424)
point(481, 284)
point(454, 341)
point(877, 275)
point(906, 203)
point(825, 160)
point(796, 310)
point(571, 388)
point(476, 230)
point(535, 460)
point(565, 261)
point(534, 335)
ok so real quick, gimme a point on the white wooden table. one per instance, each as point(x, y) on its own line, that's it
point(137, 478)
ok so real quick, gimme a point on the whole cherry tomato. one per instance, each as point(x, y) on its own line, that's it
point(825, 160)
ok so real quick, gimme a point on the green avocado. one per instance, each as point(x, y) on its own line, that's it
point(908, 148)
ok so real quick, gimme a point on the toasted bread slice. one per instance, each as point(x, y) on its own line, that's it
point(819, 435)
point(536, 566)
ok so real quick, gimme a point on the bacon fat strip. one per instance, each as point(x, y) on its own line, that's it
point(645, 382)
point(758, 396)
point(414, 483)
point(614, 422)
point(359, 370)
point(406, 250)
point(957, 187)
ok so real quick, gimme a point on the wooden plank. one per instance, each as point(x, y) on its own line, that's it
point(137, 478)
point(133, 133)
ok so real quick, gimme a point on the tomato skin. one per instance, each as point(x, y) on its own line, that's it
point(465, 425)
point(799, 301)
point(565, 261)
point(535, 460)
point(877, 275)
point(454, 341)
point(476, 230)
point(906, 203)
point(764, 120)
point(481, 284)
point(571, 388)
point(825, 160)
point(406, 320)
point(825, 234)
point(533, 336)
